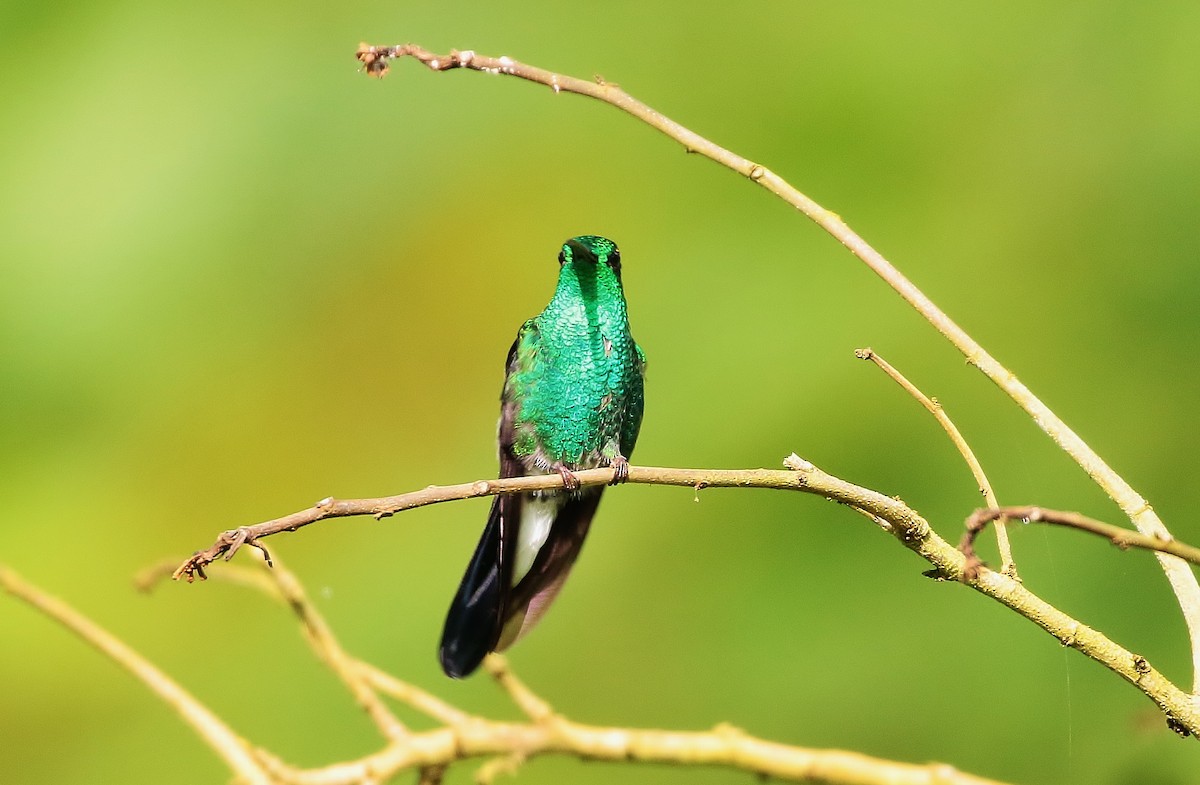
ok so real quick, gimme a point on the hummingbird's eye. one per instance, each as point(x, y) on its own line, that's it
point(614, 260)
point(562, 259)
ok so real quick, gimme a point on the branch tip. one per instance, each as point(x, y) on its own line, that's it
point(798, 464)
point(934, 407)
point(374, 59)
point(1118, 536)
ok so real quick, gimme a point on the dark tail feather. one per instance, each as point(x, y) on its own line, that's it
point(473, 624)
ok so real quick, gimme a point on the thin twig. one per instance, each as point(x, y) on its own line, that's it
point(413, 696)
point(229, 541)
point(253, 577)
point(357, 675)
point(236, 753)
point(327, 647)
point(261, 581)
point(1120, 537)
point(1007, 565)
point(375, 60)
point(526, 700)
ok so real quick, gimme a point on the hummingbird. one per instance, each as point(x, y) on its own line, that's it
point(572, 400)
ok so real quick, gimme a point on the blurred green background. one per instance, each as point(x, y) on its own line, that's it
point(238, 276)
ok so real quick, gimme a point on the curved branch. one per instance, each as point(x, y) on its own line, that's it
point(1007, 566)
point(327, 647)
point(375, 60)
point(227, 744)
point(270, 585)
point(230, 541)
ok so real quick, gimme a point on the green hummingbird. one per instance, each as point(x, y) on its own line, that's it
point(572, 400)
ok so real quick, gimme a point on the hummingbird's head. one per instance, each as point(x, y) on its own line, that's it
point(590, 249)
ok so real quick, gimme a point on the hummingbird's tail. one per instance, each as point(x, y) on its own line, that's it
point(529, 599)
point(473, 623)
point(489, 613)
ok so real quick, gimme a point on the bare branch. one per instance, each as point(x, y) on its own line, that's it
point(231, 747)
point(1007, 566)
point(375, 60)
point(723, 746)
point(1122, 538)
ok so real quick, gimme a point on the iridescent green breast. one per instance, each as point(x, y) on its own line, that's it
point(576, 380)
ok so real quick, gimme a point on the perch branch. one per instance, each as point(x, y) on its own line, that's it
point(1122, 538)
point(1007, 566)
point(905, 524)
point(376, 59)
point(229, 541)
point(227, 744)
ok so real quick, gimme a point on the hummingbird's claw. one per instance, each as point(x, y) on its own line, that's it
point(620, 466)
point(570, 481)
point(240, 536)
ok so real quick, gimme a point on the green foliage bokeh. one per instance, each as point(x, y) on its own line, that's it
point(236, 276)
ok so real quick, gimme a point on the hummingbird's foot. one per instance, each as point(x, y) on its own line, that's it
point(620, 466)
point(570, 481)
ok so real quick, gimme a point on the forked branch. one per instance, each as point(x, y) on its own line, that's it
point(904, 523)
point(219, 736)
point(1007, 566)
point(465, 737)
point(1122, 538)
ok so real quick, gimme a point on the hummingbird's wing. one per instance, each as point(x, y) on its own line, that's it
point(476, 617)
point(472, 625)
